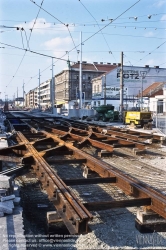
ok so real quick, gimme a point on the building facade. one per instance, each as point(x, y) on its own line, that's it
point(67, 83)
point(106, 88)
point(45, 95)
point(31, 98)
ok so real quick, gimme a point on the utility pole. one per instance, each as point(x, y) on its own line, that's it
point(39, 89)
point(17, 96)
point(104, 89)
point(52, 89)
point(121, 87)
point(80, 78)
point(141, 93)
point(23, 93)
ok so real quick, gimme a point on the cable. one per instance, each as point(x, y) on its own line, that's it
point(71, 37)
point(41, 54)
point(108, 23)
point(153, 50)
point(79, 44)
point(98, 26)
point(26, 38)
point(34, 22)
point(22, 39)
point(88, 22)
point(66, 25)
point(27, 47)
point(94, 33)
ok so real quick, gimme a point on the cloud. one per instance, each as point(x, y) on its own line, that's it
point(163, 18)
point(59, 45)
point(159, 3)
point(153, 62)
point(150, 34)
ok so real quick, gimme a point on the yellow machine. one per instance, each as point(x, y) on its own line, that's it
point(143, 118)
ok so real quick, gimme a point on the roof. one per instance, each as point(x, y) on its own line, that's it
point(154, 89)
point(94, 67)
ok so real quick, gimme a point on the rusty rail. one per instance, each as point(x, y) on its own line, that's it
point(73, 213)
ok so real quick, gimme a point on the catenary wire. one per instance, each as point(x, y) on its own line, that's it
point(27, 46)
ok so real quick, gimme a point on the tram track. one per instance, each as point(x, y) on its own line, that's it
point(54, 142)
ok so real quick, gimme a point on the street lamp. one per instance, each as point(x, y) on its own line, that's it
point(104, 87)
point(142, 77)
point(52, 88)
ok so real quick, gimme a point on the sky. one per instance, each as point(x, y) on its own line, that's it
point(31, 33)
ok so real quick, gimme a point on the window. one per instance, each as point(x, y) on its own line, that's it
point(94, 88)
point(98, 103)
point(97, 88)
point(83, 77)
point(94, 103)
point(89, 78)
point(89, 85)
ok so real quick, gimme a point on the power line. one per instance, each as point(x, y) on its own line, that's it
point(98, 26)
point(27, 47)
point(109, 23)
point(66, 25)
point(93, 33)
point(34, 23)
point(153, 50)
point(25, 21)
point(77, 45)
point(31, 51)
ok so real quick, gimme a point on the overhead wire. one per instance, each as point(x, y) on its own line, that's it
point(22, 38)
point(93, 33)
point(27, 46)
point(66, 25)
point(98, 26)
point(153, 50)
point(31, 51)
point(84, 40)
point(25, 21)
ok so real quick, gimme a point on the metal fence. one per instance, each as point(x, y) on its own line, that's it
point(159, 115)
point(159, 121)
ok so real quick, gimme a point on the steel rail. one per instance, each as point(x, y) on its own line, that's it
point(73, 213)
point(136, 134)
point(127, 184)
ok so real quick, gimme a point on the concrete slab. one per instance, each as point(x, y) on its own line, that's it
point(1, 214)
point(4, 181)
point(8, 198)
point(12, 233)
point(16, 201)
point(5, 209)
point(10, 204)
point(2, 191)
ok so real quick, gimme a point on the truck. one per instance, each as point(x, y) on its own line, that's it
point(106, 113)
point(142, 118)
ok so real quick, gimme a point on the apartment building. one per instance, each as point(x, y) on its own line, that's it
point(67, 83)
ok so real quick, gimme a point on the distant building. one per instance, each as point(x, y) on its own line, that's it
point(157, 103)
point(31, 98)
point(19, 102)
point(67, 83)
point(45, 94)
point(135, 80)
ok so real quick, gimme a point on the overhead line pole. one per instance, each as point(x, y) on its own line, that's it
point(39, 88)
point(52, 89)
point(23, 93)
point(121, 87)
point(17, 96)
point(80, 78)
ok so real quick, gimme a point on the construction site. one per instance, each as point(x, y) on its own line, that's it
point(73, 184)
